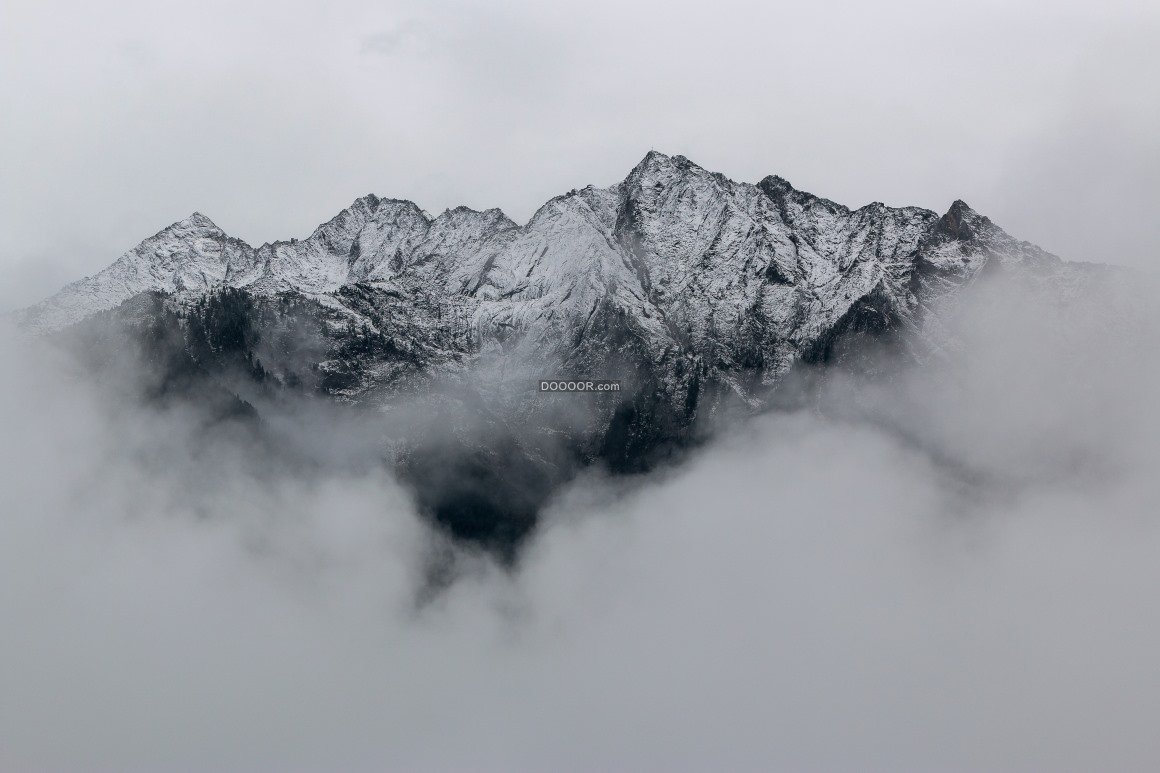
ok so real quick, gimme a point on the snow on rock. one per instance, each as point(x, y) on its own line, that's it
point(681, 261)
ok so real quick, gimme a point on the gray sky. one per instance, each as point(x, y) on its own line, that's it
point(122, 117)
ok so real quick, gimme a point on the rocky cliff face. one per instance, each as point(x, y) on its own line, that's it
point(695, 291)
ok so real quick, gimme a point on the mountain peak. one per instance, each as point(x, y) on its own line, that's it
point(961, 208)
point(653, 157)
point(649, 166)
point(776, 185)
point(654, 161)
point(657, 170)
point(367, 204)
point(194, 223)
point(197, 220)
point(960, 222)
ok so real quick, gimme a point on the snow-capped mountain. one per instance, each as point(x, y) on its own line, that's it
point(694, 291)
point(742, 276)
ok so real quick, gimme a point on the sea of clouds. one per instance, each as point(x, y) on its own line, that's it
point(950, 568)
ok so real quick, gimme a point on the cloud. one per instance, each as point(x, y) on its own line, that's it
point(952, 568)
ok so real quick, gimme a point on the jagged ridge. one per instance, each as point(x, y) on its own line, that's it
point(743, 274)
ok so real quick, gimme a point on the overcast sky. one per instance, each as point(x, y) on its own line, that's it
point(122, 117)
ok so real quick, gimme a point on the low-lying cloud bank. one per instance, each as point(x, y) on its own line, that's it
point(953, 568)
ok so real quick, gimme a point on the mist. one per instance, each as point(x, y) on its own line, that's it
point(950, 565)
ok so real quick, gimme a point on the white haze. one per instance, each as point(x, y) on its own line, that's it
point(960, 574)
